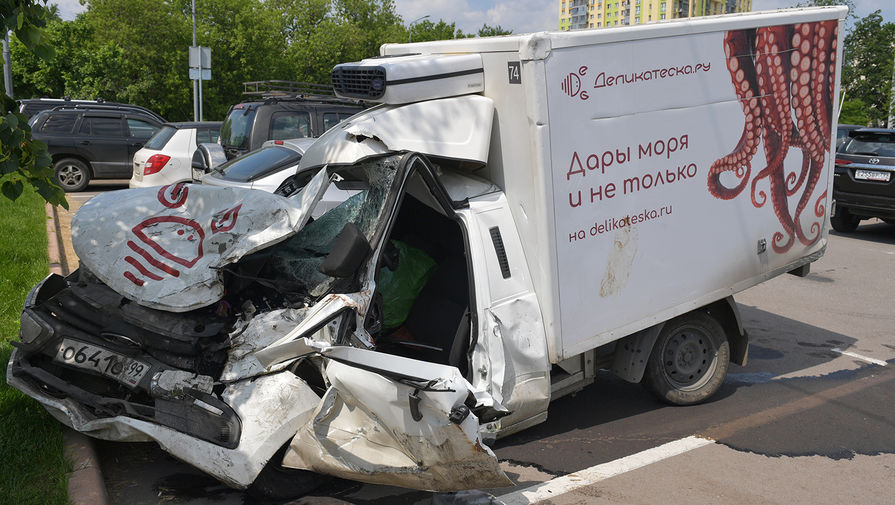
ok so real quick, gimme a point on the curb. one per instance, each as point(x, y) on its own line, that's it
point(85, 482)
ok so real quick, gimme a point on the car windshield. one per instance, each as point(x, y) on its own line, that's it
point(160, 138)
point(872, 144)
point(294, 264)
point(236, 128)
point(259, 163)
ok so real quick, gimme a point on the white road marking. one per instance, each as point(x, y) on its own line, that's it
point(860, 357)
point(594, 474)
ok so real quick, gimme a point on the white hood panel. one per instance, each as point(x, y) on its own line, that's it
point(162, 247)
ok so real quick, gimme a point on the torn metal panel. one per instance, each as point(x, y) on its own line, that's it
point(510, 359)
point(163, 247)
point(365, 429)
point(457, 128)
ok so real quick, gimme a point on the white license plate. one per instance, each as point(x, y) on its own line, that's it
point(111, 364)
point(872, 175)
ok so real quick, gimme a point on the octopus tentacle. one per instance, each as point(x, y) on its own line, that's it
point(815, 63)
point(773, 84)
point(784, 78)
point(738, 47)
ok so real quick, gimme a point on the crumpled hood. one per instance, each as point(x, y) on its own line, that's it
point(163, 247)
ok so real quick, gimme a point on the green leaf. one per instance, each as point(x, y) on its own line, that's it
point(12, 189)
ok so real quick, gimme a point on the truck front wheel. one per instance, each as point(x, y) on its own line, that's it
point(689, 360)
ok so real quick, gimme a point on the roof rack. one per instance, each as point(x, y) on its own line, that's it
point(285, 88)
point(294, 90)
point(110, 106)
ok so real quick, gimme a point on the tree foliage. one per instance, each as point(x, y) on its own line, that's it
point(867, 66)
point(22, 159)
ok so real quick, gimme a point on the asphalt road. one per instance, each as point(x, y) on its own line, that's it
point(810, 419)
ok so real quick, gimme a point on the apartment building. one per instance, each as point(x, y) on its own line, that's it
point(579, 14)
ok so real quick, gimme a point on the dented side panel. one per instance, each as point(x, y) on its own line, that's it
point(365, 429)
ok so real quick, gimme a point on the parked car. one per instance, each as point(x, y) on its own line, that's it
point(166, 156)
point(32, 106)
point(265, 168)
point(249, 124)
point(842, 131)
point(863, 185)
point(93, 143)
point(274, 169)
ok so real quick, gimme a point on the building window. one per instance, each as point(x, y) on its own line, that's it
point(591, 25)
point(637, 10)
point(662, 7)
point(662, 16)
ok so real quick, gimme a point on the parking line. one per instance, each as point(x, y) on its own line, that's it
point(594, 474)
point(860, 357)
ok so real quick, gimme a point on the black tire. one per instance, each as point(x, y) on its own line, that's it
point(689, 360)
point(72, 174)
point(279, 483)
point(844, 221)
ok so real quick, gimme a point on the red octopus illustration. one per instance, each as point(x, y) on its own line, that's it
point(784, 77)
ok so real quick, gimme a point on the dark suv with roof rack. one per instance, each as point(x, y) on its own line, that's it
point(864, 179)
point(283, 110)
point(95, 142)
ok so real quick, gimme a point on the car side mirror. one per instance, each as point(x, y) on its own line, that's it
point(349, 251)
point(207, 156)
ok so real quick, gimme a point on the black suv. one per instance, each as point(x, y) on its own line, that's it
point(863, 183)
point(98, 142)
point(285, 110)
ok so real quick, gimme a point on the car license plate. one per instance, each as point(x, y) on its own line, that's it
point(872, 175)
point(111, 364)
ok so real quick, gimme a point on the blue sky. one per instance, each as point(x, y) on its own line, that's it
point(521, 16)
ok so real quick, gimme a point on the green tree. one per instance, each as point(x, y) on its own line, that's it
point(426, 30)
point(22, 159)
point(867, 65)
point(854, 111)
point(491, 31)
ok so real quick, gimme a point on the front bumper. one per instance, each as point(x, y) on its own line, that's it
point(282, 396)
point(866, 205)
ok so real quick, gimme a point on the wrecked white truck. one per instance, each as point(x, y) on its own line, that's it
point(526, 210)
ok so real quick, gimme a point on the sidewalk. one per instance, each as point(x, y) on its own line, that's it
point(85, 482)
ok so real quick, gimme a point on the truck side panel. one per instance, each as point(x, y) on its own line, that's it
point(685, 168)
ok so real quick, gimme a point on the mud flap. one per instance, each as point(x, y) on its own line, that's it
point(379, 424)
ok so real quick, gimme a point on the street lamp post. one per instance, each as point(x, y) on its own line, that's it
point(410, 27)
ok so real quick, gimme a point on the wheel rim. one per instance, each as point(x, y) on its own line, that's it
point(688, 359)
point(70, 176)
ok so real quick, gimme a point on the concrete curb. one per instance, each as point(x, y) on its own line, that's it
point(85, 482)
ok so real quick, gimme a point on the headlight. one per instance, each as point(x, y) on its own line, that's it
point(201, 415)
point(34, 331)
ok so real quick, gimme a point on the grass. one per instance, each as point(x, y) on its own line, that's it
point(33, 469)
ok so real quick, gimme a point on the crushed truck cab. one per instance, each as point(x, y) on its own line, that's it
point(526, 210)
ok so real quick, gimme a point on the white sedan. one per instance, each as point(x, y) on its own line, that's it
point(165, 158)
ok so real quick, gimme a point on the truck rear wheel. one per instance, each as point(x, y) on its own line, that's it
point(689, 360)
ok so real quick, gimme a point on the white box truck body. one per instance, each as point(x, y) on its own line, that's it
point(554, 203)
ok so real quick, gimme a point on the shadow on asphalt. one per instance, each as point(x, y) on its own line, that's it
point(613, 418)
point(871, 231)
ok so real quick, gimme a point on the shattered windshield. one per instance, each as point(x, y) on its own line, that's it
point(294, 263)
